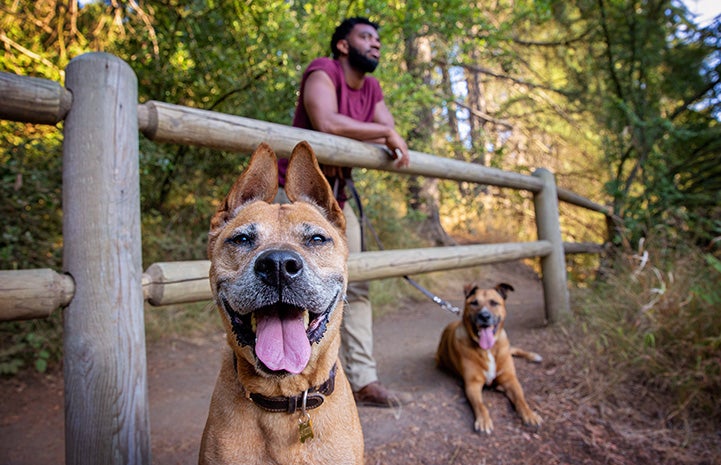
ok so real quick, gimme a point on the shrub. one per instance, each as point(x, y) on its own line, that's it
point(656, 317)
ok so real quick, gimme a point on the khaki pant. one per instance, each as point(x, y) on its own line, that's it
point(356, 349)
point(356, 346)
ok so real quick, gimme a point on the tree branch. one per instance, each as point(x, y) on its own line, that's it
point(488, 72)
point(609, 52)
point(560, 43)
point(694, 98)
point(29, 53)
point(481, 115)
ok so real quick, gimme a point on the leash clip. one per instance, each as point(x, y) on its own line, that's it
point(446, 305)
point(451, 308)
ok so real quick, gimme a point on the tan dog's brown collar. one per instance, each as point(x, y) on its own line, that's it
point(308, 400)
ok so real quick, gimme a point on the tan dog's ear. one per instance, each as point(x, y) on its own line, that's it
point(503, 289)
point(469, 289)
point(259, 181)
point(305, 182)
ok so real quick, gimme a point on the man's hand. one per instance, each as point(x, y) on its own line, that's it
point(399, 150)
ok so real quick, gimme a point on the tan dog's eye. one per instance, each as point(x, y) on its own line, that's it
point(493, 303)
point(317, 239)
point(241, 239)
point(474, 302)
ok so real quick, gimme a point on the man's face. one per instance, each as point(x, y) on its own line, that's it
point(364, 48)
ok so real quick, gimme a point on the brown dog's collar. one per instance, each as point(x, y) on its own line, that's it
point(314, 397)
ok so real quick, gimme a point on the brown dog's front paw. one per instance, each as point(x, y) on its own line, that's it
point(483, 425)
point(532, 419)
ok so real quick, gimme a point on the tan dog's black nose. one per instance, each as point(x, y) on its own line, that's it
point(278, 267)
point(485, 318)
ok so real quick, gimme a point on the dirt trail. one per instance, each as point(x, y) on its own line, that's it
point(434, 429)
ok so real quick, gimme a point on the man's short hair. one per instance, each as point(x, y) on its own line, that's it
point(344, 28)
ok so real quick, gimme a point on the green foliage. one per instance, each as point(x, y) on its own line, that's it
point(655, 320)
point(382, 195)
point(176, 215)
point(653, 82)
point(30, 344)
point(30, 170)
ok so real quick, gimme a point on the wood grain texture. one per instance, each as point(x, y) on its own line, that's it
point(28, 294)
point(553, 265)
point(33, 100)
point(106, 404)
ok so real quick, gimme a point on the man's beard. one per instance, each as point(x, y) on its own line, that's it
point(359, 61)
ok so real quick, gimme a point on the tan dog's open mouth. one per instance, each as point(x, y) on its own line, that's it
point(486, 329)
point(280, 334)
point(487, 337)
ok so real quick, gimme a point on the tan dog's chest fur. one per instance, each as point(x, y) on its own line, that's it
point(278, 274)
point(241, 432)
point(461, 352)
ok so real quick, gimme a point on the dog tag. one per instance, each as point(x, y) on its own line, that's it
point(305, 428)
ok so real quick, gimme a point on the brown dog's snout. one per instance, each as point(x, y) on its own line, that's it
point(278, 267)
point(485, 318)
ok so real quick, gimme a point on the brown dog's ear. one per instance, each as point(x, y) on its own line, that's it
point(503, 289)
point(259, 181)
point(305, 182)
point(469, 289)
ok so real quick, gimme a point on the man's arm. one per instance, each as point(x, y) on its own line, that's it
point(321, 104)
point(394, 141)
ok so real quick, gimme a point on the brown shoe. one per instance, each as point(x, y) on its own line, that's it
point(377, 395)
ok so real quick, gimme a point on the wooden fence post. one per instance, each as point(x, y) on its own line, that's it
point(553, 265)
point(106, 392)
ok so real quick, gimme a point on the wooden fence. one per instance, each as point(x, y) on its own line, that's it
point(102, 287)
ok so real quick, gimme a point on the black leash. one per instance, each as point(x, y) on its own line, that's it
point(445, 305)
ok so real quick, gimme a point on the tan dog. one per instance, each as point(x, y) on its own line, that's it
point(477, 349)
point(278, 275)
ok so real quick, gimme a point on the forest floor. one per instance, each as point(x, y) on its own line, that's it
point(436, 428)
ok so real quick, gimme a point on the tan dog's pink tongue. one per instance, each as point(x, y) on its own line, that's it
point(486, 338)
point(281, 342)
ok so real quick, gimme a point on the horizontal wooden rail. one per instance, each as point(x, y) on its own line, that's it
point(580, 201)
point(393, 263)
point(167, 283)
point(164, 122)
point(582, 247)
point(28, 294)
point(33, 100)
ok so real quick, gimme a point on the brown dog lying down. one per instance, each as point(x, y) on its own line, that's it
point(278, 275)
point(477, 349)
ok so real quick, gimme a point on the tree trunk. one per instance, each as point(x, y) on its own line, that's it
point(424, 195)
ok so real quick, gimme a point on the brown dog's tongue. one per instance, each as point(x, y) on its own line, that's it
point(281, 342)
point(486, 338)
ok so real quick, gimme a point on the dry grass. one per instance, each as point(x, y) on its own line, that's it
point(648, 340)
